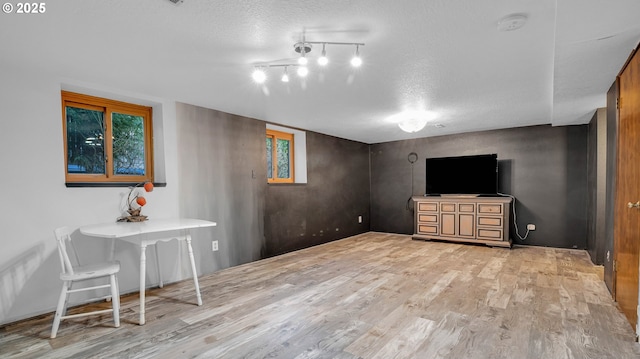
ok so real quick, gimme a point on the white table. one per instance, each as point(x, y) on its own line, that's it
point(136, 233)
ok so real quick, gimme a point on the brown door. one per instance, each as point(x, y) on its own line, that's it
point(627, 207)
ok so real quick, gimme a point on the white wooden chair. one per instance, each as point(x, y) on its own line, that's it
point(71, 274)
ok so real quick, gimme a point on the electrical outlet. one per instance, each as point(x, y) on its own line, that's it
point(531, 227)
point(214, 246)
point(359, 219)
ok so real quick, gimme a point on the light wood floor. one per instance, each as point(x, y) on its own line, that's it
point(369, 296)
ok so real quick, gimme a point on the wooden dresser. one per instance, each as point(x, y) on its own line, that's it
point(463, 219)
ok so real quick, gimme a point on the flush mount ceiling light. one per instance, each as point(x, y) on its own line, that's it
point(304, 48)
point(512, 22)
point(413, 124)
point(412, 121)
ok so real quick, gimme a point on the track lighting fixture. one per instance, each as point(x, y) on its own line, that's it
point(304, 48)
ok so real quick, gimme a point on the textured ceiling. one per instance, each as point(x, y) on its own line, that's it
point(445, 56)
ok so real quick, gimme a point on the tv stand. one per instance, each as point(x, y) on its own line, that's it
point(482, 220)
point(459, 195)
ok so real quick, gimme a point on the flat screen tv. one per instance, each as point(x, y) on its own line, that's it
point(463, 175)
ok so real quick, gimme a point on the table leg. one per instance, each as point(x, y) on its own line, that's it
point(112, 258)
point(193, 269)
point(161, 284)
point(143, 269)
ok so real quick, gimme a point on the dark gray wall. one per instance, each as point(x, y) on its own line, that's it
point(596, 186)
point(327, 207)
point(222, 159)
point(612, 139)
point(544, 167)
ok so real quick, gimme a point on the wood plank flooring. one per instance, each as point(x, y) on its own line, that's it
point(370, 296)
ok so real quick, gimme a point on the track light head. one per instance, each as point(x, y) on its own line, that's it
point(303, 71)
point(302, 48)
point(356, 61)
point(285, 76)
point(323, 60)
point(259, 75)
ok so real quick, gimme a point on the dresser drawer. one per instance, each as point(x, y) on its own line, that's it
point(484, 233)
point(427, 229)
point(427, 207)
point(447, 207)
point(489, 208)
point(490, 221)
point(427, 218)
point(467, 207)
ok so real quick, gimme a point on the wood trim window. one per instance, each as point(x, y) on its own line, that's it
point(279, 157)
point(106, 141)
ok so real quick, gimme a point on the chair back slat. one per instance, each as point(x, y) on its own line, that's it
point(63, 237)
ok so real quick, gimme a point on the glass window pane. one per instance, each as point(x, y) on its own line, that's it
point(128, 144)
point(269, 157)
point(85, 141)
point(282, 148)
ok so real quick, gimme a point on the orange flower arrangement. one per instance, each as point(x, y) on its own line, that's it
point(134, 213)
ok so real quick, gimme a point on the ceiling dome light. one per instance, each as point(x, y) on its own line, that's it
point(412, 120)
point(303, 71)
point(356, 61)
point(259, 76)
point(413, 124)
point(323, 60)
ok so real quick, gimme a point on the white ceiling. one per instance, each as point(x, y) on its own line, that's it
point(445, 56)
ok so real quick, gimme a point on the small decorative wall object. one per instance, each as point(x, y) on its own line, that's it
point(135, 196)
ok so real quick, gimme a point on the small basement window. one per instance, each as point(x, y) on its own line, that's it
point(106, 141)
point(280, 153)
point(286, 155)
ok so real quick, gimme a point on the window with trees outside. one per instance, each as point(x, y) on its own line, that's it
point(279, 157)
point(105, 140)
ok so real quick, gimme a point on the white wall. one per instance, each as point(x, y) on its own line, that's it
point(34, 199)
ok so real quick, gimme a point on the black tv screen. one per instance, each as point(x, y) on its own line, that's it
point(477, 175)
